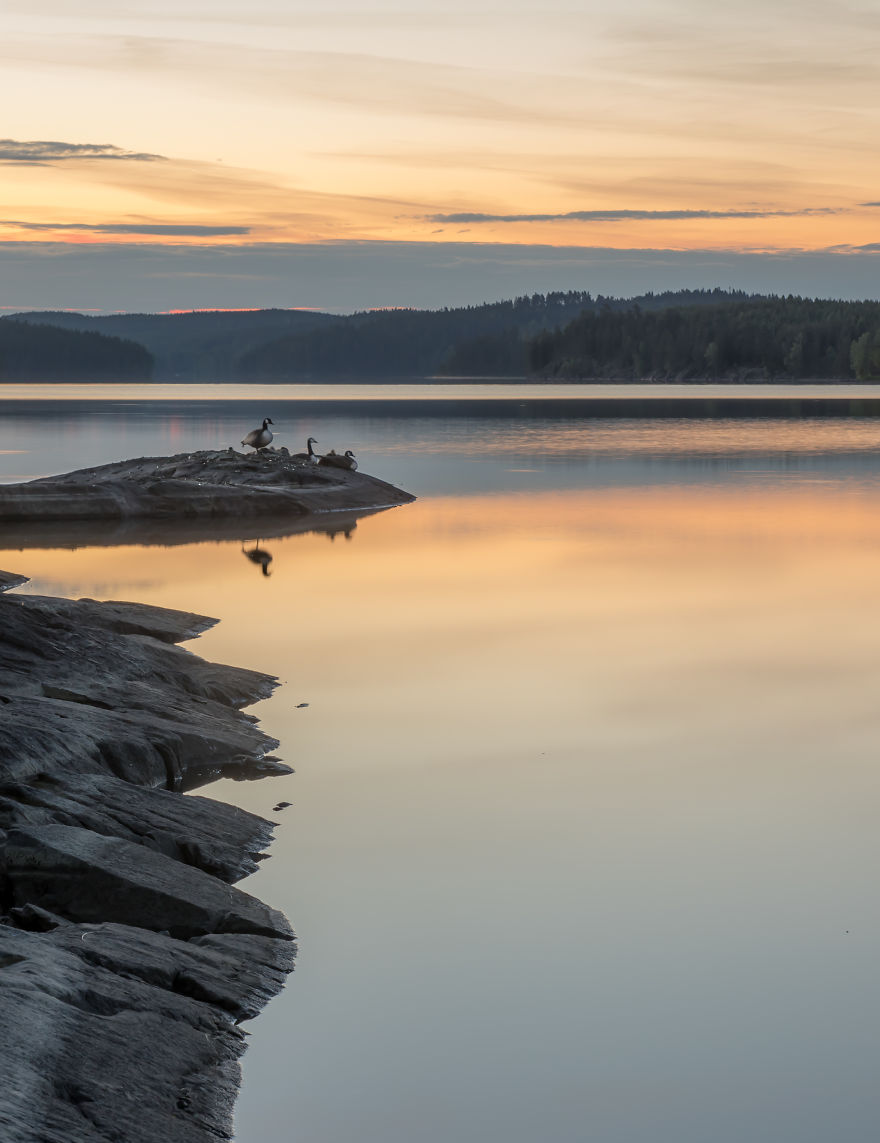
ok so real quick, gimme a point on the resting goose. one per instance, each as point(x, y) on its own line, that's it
point(311, 455)
point(346, 461)
point(260, 438)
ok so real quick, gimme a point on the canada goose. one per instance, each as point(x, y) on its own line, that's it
point(260, 438)
point(260, 556)
point(346, 461)
point(311, 455)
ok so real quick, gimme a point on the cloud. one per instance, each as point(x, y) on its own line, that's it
point(383, 84)
point(750, 43)
point(41, 152)
point(629, 215)
point(169, 12)
point(231, 201)
point(179, 230)
point(847, 248)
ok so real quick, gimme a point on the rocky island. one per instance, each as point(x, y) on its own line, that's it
point(198, 486)
point(128, 958)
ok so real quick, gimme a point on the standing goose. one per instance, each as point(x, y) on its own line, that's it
point(346, 461)
point(260, 438)
point(311, 455)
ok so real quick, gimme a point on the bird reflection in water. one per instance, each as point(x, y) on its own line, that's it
point(258, 555)
point(263, 559)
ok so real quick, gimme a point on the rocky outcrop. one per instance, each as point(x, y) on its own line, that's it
point(127, 955)
point(198, 486)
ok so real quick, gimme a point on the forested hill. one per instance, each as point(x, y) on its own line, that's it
point(34, 353)
point(686, 335)
point(302, 345)
point(491, 340)
point(757, 339)
point(203, 345)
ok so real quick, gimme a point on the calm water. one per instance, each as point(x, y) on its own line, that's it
point(583, 843)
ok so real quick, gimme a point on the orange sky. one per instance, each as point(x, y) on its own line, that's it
point(647, 125)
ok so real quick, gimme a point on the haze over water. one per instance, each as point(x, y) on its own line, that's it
point(583, 838)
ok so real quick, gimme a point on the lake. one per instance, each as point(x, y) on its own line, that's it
point(583, 842)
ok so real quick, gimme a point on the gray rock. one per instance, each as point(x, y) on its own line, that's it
point(126, 956)
point(197, 486)
point(103, 1041)
point(9, 580)
point(84, 688)
point(223, 840)
point(88, 877)
point(198, 968)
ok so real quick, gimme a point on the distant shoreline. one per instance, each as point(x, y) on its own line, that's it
point(443, 379)
point(538, 382)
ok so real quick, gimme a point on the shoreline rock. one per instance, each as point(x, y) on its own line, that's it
point(127, 955)
point(197, 486)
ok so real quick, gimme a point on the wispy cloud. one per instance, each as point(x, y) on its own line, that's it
point(750, 42)
point(232, 202)
point(849, 248)
point(179, 230)
point(383, 84)
point(40, 152)
point(629, 215)
point(235, 15)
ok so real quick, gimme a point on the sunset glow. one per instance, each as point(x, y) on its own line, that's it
point(648, 127)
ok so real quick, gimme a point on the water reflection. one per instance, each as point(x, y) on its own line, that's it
point(173, 533)
point(258, 556)
point(420, 391)
point(347, 530)
point(506, 447)
point(583, 843)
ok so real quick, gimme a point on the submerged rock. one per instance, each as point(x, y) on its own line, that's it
point(127, 956)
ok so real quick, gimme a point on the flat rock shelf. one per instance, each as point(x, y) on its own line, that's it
point(198, 486)
point(127, 956)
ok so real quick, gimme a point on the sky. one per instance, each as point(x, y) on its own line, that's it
point(202, 154)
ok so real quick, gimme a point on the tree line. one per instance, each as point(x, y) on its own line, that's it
point(687, 335)
point(490, 338)
point(756, 339)
point(46, 353)
point(692, 334)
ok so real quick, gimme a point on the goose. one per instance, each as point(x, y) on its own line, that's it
point(311, 455)
point(260, 438)
point(346, 461)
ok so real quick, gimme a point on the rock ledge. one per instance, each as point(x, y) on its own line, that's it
point(198, 485)
point(127, 956)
